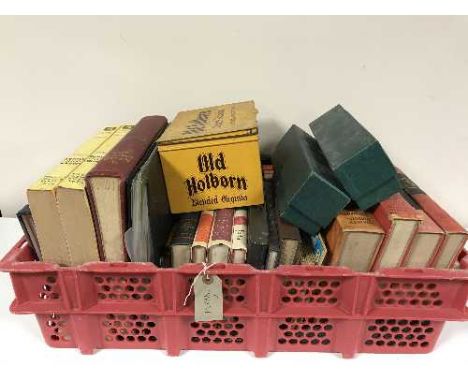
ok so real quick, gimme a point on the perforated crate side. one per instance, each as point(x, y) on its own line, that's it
point(422, 293)
point(239, 285)
point(57, 330)
point(124, 287)
point(400, 336)
point(313, 291)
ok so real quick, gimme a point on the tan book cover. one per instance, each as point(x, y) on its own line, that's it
point(42, 199)
point(74, 207)
point(354, 239)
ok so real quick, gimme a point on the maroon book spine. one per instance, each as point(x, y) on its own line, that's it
point(222, 227)
point(121, 161)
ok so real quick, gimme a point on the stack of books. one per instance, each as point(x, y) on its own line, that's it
point(196, 190)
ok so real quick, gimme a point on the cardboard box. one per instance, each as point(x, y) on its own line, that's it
point(211, 158)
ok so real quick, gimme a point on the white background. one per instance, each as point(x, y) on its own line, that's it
point(61, 79)
point(404, 78)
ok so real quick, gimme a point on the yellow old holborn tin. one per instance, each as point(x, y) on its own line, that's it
point(211, 158)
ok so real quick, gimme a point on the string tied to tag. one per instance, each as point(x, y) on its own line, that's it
point(203, 272)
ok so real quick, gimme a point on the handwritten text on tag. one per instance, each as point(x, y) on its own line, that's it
point(208, 298)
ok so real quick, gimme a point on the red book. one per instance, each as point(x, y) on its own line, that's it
point(455, 235)
point(425, 245)
point(400, 221)
point(106, 184)
point(219, 246)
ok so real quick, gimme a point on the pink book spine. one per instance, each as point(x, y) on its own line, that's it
point(222, 227)
point(386, 212)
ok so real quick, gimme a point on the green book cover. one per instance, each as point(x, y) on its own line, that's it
point(355, 157)
point(308, 194)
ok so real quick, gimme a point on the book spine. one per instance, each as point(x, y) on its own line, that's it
point(273, 240)
point(239, 236)
point(185, 228)
point(257, 236)
point(76, 179)
point(53, 177)
point(202, 236)
point(222, 228)
point(441, 217)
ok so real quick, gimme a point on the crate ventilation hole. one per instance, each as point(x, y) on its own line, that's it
point(57, 327)
point(229, 331)
point(121, 288)
point(129, 328)
point(399, 333)
point(300, 291)
point(423, 294)
point(48, 289)
point(305, 331)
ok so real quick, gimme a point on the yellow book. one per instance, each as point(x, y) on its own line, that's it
point(42, 200)
point(74, 207)
point(211, 158)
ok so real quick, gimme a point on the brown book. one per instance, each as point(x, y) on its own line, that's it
point(400, 222)
point(455, 235)
point(107, 185)
point(426, 242)
point(289, 241)
point(353, 240)
point(219, 247)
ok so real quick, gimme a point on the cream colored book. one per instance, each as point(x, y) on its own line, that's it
point(239, 236)
point(354, 239)
point(74, 207)
point(43, 201)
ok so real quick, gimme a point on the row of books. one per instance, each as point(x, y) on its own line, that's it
point(341, 181)
point(337, 193)
point(398, 232)
point(253, 235)
point(81, 210)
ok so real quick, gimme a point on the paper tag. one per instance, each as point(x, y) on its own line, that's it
point(208, 298)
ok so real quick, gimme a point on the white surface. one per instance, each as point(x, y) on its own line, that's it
point(24, 354)
point(405, 79)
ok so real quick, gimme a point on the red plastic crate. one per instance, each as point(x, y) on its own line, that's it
point(292, 308)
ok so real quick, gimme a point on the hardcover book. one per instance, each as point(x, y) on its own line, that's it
point(289, 240)
point(202, 237)
point(400, 221)
point(302, 179)
point(107, 185)
point(42, 199)
point(274, 249)
point(354, 239)
point(426, 242)
point(455, 235)
point(239, 236)
point(355, 157)
point(149, 217)
point(219, 247)
point(211, 158)
point(29, 229)
point(182, 238)
point(74, 207)
point(257, 236)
